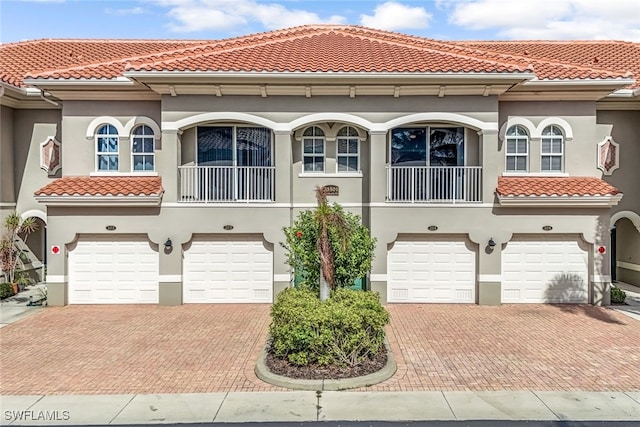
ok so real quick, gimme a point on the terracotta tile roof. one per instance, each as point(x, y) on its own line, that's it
point(18, 59)
point(606, 54)
point(554, 186)
point(312, 48)
point(103, 186)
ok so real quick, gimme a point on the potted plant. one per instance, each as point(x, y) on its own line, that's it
point(16, 229)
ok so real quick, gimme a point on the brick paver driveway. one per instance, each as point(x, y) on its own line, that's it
point(213, 348)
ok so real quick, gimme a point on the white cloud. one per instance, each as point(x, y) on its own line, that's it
point(228, 15)
point(396, 16)
point(550, 19)
point(125, 12)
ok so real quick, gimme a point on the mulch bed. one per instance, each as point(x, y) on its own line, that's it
point(315, 372)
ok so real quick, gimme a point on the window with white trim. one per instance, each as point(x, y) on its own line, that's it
point(313, 150)
point(143, 149)
point(517, 140)
point(551, 149)
point(107, 149)
point(348, 157)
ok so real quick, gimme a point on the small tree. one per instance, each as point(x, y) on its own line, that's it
point(15, 228)
point(346, 243)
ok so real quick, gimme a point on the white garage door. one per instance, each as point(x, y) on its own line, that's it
point(228, 271)
point(432, 271)
point(113, 270)
point(544, 271)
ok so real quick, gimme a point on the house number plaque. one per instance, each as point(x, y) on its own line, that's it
point(332, 190)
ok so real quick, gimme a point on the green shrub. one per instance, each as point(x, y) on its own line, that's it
point(6, 290)
point(345, 330)
point(618, 296)
point(351, 263)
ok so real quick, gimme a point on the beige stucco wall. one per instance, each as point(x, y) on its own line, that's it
point(31, 128)
point(625, 130)
point(79, 158)
point(7, 190)
point(579, 158)
point(627, 252)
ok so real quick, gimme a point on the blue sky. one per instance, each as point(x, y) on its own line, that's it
point(214, 19)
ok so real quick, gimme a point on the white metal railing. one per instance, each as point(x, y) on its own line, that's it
point(210, 184)
point(434, 184)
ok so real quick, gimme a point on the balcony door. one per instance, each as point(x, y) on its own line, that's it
point(424, 163)
point(238, 162)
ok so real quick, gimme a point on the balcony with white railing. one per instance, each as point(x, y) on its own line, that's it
point(218, 184)
point(434, 184)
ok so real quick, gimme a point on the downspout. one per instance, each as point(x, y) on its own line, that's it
point(44, 98)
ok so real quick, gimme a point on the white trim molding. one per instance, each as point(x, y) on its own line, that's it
point(55, 278)
point(560, 201)
point(513, 121)
point(628, 265)
point(489, 277)
point(167, 278)
point(143, 120)
point(282, 277)
point(630, 215)
point(191, 121)
point(557, 121)
point(34, 213)
point(153, 200)
point(7, 204)
point(601, 278)
point(104, 120)
point(377, 277)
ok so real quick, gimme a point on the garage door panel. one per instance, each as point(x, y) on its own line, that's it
point(431, 272)
point(228, 271)
point(535, 271)
point(113, 270)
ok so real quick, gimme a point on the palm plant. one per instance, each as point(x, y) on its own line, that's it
point(328, 219)
point(9, 251)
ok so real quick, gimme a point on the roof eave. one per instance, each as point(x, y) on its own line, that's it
point(100, 200)
point(117, 81)
point(585, 201)
point(507, 76)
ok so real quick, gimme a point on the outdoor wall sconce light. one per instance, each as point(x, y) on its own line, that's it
point(168, 244)
point(491, 242)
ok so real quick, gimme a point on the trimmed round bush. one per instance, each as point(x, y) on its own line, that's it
point(618, 296)
point(345, 330)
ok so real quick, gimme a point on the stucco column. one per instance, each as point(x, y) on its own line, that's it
point(7, 169)
point(377, 167)
point(489, 279)
point(167, 161)
point(492, 163)
point(282, 278)
point(57, 278)
point(170, 272)
point(601, 277)
point(284, 165)
point(377, 179)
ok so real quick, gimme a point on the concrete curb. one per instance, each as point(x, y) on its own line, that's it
point(263, 372)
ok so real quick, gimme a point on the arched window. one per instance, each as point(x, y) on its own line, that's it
point(143, 149)
point(313, 143)
point(107, 149)
point(348, 150)
point(552, 149)
point(517, 140)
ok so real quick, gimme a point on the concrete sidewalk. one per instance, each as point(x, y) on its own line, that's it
point(319, 406)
